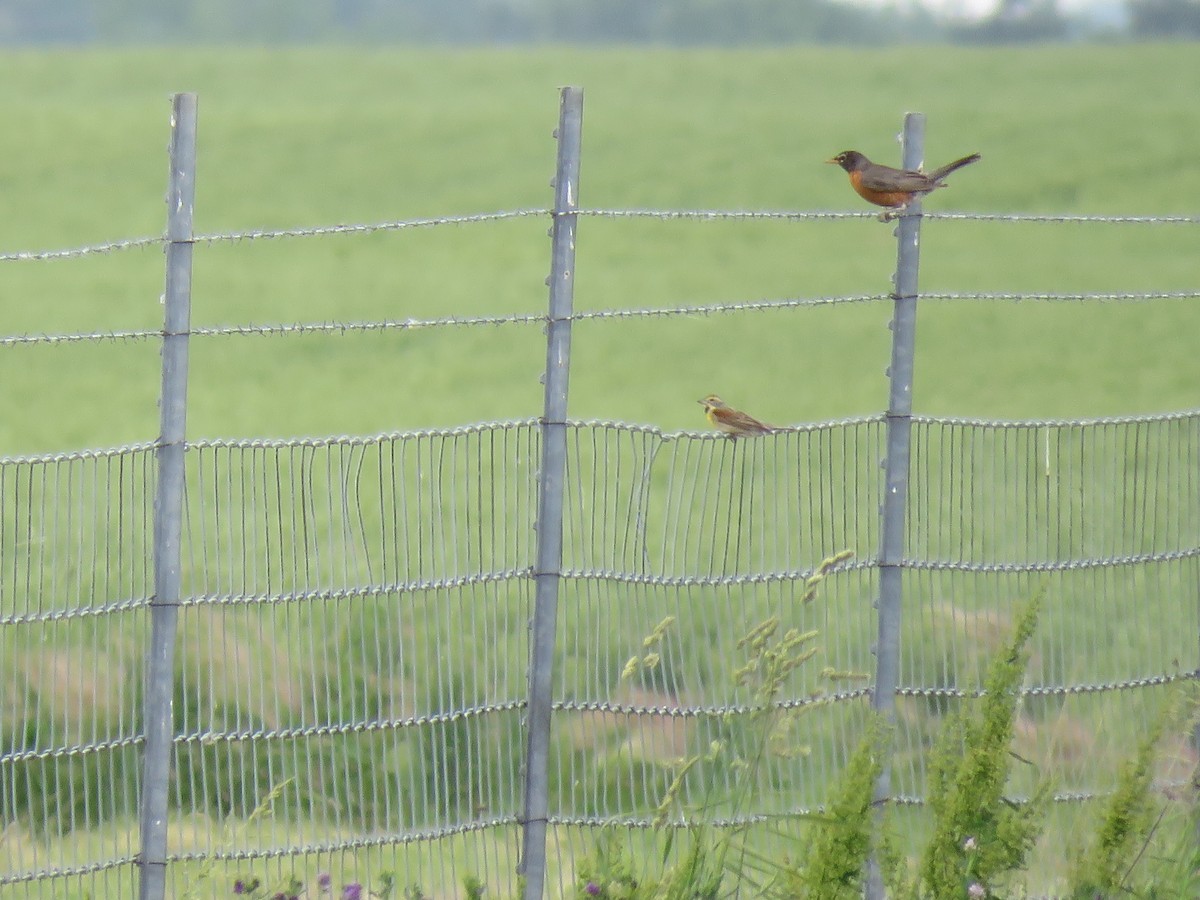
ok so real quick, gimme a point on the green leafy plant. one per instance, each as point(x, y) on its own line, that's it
point(607, 873)
point(980, 837)
point(1104, 867)
point(840, 842)
point(1145, 845)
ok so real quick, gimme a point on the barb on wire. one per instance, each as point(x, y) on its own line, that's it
point(270, 234)
point(280, 329)
point(328, 230)
point(357, 327)
point(731, 306)
point(717, 214)
point(660, 214)
point(817, 215)
point(1112, 297)
point(285, 329)
point(95, 249)
point(412, 324)
point(1059, 219)
point(16, 340)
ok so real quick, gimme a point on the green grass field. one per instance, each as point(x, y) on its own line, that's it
point(318, 137)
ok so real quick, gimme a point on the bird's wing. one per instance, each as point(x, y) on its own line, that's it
point(882, 178)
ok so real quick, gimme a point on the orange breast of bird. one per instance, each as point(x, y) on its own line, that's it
point(879, 198)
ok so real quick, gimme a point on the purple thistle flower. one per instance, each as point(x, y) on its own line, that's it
point(324, 882)
point(352, 891)
point(592, 888)
point(239, 887)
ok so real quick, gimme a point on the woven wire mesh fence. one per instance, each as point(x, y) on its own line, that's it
point(350, 690)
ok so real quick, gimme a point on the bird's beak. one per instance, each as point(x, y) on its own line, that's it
point(833, 161)
point(701, 402)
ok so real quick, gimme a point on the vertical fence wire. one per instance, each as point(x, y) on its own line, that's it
point(896, 464)
point(550, 493)
point(168, 503)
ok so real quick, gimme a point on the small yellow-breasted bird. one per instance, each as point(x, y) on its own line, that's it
point(732, 422)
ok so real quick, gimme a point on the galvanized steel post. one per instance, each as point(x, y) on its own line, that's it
point(896, 465)
point(168, 500)
point(550, 494)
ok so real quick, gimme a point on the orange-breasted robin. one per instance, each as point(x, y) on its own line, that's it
point(893, 188)
point(733, 422)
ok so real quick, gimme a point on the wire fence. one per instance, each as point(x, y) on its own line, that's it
point(410, 653)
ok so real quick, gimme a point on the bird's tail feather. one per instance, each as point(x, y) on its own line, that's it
point(939, 174)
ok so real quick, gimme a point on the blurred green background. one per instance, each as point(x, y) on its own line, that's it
point(299, 138)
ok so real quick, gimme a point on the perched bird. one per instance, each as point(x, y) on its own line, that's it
point(893, 188)
point(733, 422)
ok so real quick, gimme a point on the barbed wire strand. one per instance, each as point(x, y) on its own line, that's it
point(696, 309)
point(403, 225)
point(75, 252)
point(263, 234)
point(820, 215)
point(658, 214)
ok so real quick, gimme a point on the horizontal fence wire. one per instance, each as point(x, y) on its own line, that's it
point(270, 234)
point(109, 247)
point(482, 827)
point(697, 309)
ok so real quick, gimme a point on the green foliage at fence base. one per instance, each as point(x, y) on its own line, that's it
point(1103, 868)
point(1144, 845)
point(840, 843)
point(980, 837)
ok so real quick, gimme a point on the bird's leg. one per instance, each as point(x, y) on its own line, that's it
point(894, 213)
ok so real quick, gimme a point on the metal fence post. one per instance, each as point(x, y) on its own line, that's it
point(550, 494)
point(168, 500)
point(896, 465)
